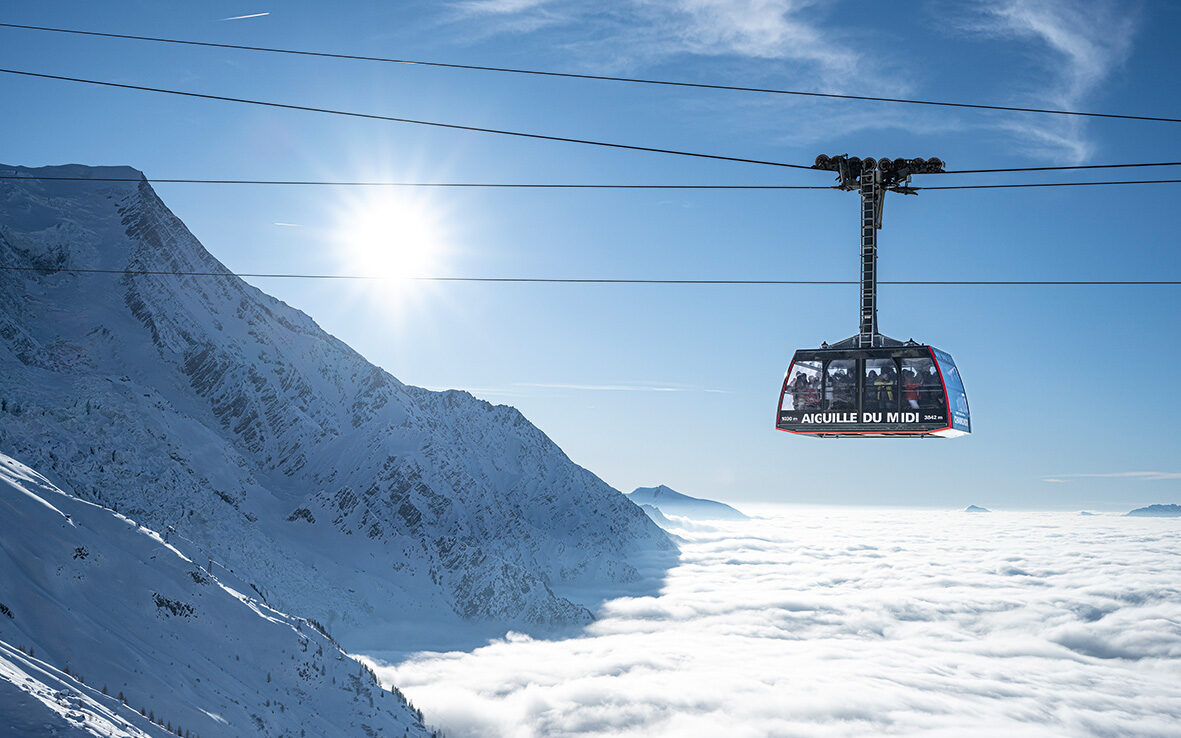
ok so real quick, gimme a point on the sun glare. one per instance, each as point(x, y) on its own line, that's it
point(391, 236)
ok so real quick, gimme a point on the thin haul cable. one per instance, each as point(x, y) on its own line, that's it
point(600, 77)
point(494, 185)
point(557, 185)
point(1063, 168)
point(394, 119)
point(1010, 185)
point(591, 280)
point(521, 134)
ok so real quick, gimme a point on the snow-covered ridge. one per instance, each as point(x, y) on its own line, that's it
point(101, 619)
point(267, 445)
point(1156, 511)
point(671, 502)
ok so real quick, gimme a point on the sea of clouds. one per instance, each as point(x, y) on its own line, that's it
point(853, 623)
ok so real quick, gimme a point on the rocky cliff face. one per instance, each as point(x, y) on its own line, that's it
point(200, 404)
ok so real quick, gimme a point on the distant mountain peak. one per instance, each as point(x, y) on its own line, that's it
point(670, 502)
point(657, 517)
point(976, 509)
point(662, 490)
point(1156, 511)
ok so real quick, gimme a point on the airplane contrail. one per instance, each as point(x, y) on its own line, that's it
point(242, 17)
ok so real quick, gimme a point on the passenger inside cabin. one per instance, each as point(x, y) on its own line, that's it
point(932, 389)
point(844, 394)
point(910, 388)
point(799, 388)
point(872, 400)
point(812, 394)
point(886, 387)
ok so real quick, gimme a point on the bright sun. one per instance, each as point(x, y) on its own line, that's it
point(391, 235)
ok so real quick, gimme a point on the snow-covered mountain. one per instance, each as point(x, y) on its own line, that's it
point(101, 619)
point(1156, 511)
point(270, 448)
point(657, 516)
point(671, 502)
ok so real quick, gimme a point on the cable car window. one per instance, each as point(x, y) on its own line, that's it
point(921, 388)
point(955, 392)
point(840, 385)
point(880, 387)
point(932, 396)
point(803, 386)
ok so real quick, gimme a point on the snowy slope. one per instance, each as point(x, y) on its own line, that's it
point(271, 447)
point(671, 502)
point(93, 606)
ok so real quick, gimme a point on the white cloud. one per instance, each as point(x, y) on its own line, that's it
point(1145, 476)
point(500, 7)
point(522, 389)
point(853, 623)
point(626, 34)
point(621, 387)
point(510, 16)
point(1076, 47)
point(1068, 49)
point(768, 29)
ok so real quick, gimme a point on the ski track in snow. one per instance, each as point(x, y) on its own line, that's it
point(853, 623)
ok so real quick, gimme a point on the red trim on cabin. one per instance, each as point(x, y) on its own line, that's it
point(783, 392)
point(946, 399)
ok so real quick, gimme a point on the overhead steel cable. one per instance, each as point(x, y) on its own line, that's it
point(600, 77)
point(592, 280)
point(1009, 185)
point(1063, 168)
point(558, 185)
point(474, 185)
point(521, 134)
point(393, 119)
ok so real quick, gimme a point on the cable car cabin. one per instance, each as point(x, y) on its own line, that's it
point(905, 390)
point(869, 385)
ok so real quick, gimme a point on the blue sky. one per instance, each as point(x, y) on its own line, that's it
point(663, 384)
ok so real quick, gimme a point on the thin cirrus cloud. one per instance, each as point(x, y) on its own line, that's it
point(1075, 47)
point(621, 387)
point(1144, 476)
point(495, 17)
point(635, 32)
point(500, 7)
point(850, 623)
point(1068, 50)
point(522, 389)
point(790, 39)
